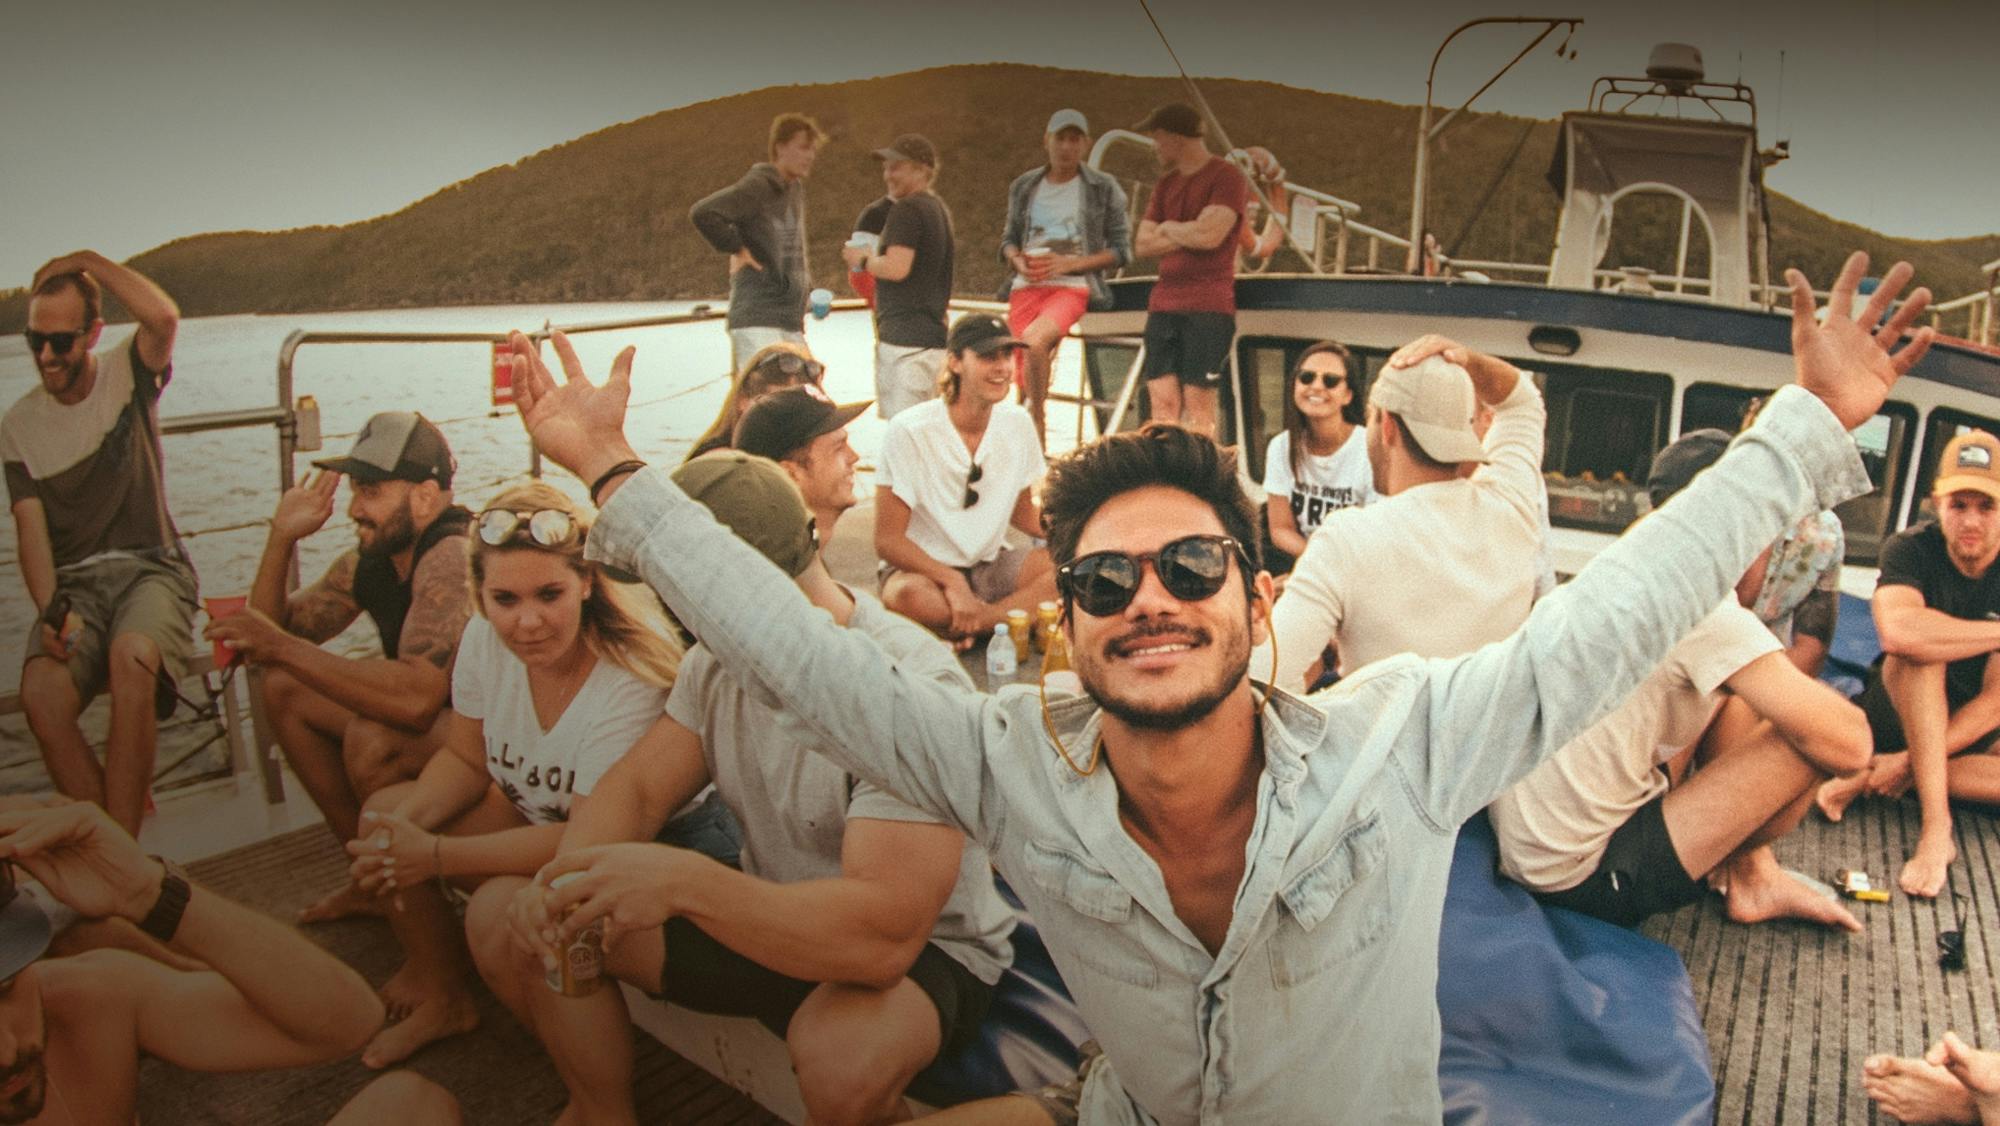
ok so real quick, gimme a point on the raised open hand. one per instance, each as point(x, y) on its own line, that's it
point(575, 423)
point(305, 507)
point(1847, 360)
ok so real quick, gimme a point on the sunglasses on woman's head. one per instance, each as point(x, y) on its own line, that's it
point(791, 365)
point(549, 527)
point(1192, 568)
point(1327, 379)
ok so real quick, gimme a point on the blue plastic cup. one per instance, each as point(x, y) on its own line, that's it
point(820, 301)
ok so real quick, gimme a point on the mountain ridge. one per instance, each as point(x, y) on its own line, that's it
point(604, 216)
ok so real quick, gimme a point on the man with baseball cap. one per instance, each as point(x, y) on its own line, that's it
point(954, 476)
point(1601, 828)
point(865, 932)
point(1066, 225)
point(351, 726)
point(1191, 225)
point(1934, 693)
point(1442, 564)
point(806, 434)
point(912, 272)
point(77, 1027)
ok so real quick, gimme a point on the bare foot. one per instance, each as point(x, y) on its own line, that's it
point(434, 1018)
point(1978, 1071)
point(1911, 1090)
point(403, 992)
point(1759, 891)
point(1836, 794)
point(1889, 776)
point(1925, 872)
point(345, 903)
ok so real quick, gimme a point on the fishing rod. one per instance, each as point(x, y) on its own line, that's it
point(1222, 135)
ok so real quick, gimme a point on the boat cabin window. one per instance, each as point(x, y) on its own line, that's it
point(1944, 425)
point(1884, 442)
point(1604, 428)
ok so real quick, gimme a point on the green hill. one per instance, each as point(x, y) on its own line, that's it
point(604, 217)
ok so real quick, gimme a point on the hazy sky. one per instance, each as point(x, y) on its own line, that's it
point(175, 118)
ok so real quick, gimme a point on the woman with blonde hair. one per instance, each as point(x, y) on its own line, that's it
point(558, 674)
point(774, 367)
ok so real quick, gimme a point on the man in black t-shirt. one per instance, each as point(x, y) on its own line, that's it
point(1935, 691)
point(912, 272)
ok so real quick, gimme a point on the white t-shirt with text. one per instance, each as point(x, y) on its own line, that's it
point(540, 771)
point(1325, 484)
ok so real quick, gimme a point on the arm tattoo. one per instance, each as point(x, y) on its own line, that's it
point(1815, 616)
point(440, 605)
point(319, 612)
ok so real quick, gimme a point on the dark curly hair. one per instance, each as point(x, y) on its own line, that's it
point(1160, 453)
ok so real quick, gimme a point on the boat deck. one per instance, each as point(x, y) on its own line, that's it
point(1791, 1010)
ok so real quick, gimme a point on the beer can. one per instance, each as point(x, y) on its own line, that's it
point(1017, 628)
point(579, 968)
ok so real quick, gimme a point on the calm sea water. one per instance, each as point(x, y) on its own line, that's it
point(221, 479)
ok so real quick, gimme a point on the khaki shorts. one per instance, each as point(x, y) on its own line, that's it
point(121, 594)
point(995, 580)
point(905, 377)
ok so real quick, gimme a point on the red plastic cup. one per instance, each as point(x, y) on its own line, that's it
point(218, 609)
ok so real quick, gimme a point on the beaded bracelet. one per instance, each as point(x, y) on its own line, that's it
point(632, 465)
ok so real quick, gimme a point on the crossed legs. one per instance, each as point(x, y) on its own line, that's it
point(1751, 789)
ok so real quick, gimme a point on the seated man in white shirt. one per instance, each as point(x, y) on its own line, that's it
point(955, 475)
point(1599, 828)
point(1442, 564)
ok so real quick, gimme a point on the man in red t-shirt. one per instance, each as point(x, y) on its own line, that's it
point(1191, 226)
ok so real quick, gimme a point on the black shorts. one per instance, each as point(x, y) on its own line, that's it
point(1640, 875)
point(708, 977)
point(1887, 726)
point(1191, 346)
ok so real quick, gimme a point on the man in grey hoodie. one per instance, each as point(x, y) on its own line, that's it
point(760, 222)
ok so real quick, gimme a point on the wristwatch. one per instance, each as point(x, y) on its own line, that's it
point(165, 918)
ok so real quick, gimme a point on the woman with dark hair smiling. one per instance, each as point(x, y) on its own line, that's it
point(1319, 462)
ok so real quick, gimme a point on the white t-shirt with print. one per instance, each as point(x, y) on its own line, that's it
point(1055, 220)
point(925, 463)
point(1553, 825)
point(540, 771)
point(1325, 484)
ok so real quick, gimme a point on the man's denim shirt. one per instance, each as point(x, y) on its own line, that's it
point(1321, 1004)
point(1105, 225)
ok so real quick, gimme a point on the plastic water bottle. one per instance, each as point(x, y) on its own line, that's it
point(1001, 664)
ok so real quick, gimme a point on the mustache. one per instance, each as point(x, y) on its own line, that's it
point(1152, 633)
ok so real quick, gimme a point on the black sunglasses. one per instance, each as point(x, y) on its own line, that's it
point(59, 342)
point(1327, 379)
point(791, 365)
point(549, 527)
point(972, 478)
point(1192, 569)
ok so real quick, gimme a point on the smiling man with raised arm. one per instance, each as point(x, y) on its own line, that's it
point(1249, 860)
